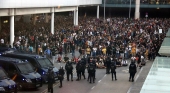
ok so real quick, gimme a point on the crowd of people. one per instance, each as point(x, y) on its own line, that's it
point(94, 37)
point(105, 43)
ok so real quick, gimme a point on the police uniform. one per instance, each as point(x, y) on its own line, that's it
point(79, 69)
point(108, 63)
point(50, 79)
point(113, 70)
point(69, 70)
point(91, 71)
point(61, 75)
point(132, 71)
point(83, 68)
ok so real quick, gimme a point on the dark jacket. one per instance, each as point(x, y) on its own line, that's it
point(61, 74)
point(113, 67)
point(69, 67)
point(132, 68)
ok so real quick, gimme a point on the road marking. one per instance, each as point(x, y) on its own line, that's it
point(99, 81)
point(129, 89)
point(45, 91)
point(104, 75)
point(138, 74)
point(93, 87)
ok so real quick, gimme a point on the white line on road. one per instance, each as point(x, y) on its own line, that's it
point(99, 81)
point(93, 87)
point(138, 74)
point(104, 75)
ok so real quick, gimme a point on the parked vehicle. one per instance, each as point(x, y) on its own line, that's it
point(40, 63)
point(7, 85)
point(22, 72)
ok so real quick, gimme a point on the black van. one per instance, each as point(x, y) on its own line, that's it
point(7, 85)
point(40, 63)
point(21, 72)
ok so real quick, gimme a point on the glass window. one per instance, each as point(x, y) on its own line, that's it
point(44, 62)
point(3, 74)
point(25, 67)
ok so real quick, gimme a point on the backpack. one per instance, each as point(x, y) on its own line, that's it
point(69, 66)
point(91, 68)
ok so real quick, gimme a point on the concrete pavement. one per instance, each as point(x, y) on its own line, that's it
point(103, 83)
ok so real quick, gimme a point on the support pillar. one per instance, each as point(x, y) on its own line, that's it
point(46, 18)
point(11, 30)
point(97, 11)
point(52, 21)
point(34, 19)
point(137, 9)
point(76, 16)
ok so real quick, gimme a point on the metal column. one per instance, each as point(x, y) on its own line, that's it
point(97, 11)
point(52, 21)
point(11, 30)
point(137, 9)
point(76, 16)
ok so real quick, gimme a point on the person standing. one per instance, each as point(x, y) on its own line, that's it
point(73, 49)
point(91, 71)
point(132, 71)
point(53, 52)
point(61, 75)
point(84, 67)
point(79, 69)
point(113, 69)
point(50, 77)
point(88, 51)
point(69, 70)
point(108, 63)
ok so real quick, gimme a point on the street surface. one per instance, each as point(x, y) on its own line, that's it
point(103, 82)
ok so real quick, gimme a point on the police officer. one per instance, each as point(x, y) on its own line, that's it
point(79, 70)
point(108, 63)
point(113, 69)
point(50, 76)
point(91, 71)
point(83, 61)
point(61, 75)
point(132, 71)
point(69, 70)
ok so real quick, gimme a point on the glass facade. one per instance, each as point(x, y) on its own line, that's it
point(158, 80)
point(153, 2)
point(165, 47)
point(168, 33)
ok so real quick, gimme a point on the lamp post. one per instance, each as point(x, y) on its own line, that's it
point(104, 10)
point(130, 8)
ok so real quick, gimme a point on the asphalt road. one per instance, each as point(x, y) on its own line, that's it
point(103, 82)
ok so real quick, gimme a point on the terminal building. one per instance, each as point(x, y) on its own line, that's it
point(13, 10)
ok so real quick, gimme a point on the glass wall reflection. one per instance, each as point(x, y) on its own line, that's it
point(154, 2)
